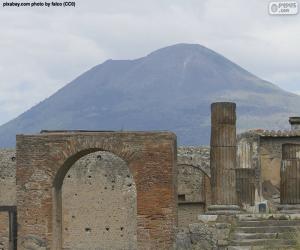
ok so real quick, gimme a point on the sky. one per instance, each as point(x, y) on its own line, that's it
point(42, 49)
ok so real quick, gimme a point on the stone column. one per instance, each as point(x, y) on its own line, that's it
point(223, 158)
point(290, 179)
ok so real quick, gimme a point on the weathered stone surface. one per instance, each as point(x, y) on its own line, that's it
point(188, 213)
point(4, 232)
point(44, 160)
point(207, 236)
point(99, 204)
point(268, 216)
point(183, 239)
point(7, 177)
point(84, 177)
point(223, 153)
point(262, 151)
point(202, 236)
point(223, 209)
point(193, 184)
point(32, 242)
point(277, 231)
point(198, 157)
point(194, 193)
point(206, 218)
point(7, 192)
point(223, 233)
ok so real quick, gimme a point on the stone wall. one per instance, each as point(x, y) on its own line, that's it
point(248, 157)
point(262, 151)
point(198, 157)
point(193, 183)
point(99, 204)
point(193, 194)
point(102, 180)
point(95, 182)
point(7, 191)
point(270, 160)
point(7, 177)
point(188, 213)
point(4, 231)
point(212, 233)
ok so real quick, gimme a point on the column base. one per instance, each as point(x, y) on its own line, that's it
point(223, 209)
point(289, 208)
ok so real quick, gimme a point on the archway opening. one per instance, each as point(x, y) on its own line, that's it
point(193, 193)
point(96, 204)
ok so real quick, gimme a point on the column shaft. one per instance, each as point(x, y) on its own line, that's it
point(223, 153)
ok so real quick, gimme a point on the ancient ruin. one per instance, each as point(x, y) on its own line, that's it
point(290, 175)
point(260, 156)
point(136, 190)
point(44, 160)
point(223, 158)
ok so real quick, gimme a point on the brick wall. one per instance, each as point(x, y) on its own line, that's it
point(43, 160)
point(93, 173)
point(104, 171)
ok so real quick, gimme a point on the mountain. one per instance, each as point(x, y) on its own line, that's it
point(169, 89)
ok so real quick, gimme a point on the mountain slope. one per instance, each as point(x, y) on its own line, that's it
point(170, 89)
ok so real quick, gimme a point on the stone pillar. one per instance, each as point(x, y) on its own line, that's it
point(290, 179)
point(223, 158)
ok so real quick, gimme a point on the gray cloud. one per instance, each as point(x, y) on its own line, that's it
point(43, 49)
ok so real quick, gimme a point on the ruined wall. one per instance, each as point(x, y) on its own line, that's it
point(102, 179)
point(193, 183)
point(7, 192)
point(191, 194)
point(195, 156)
point(248, 158)
point(4, 231)
point(44, 159)
point(99, 204)
point(7, 177)
point(270, 159)
point(263, 153)
point(95, 182)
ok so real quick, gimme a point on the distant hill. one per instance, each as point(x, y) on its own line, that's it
point(169, 89)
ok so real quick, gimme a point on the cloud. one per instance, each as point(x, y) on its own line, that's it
point(44, 49)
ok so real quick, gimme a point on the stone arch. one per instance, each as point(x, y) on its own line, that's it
point(43, 161)
point(199, 167)
point(193, 193)
point(207, 183)
point(191, 161)
point(57, 188)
